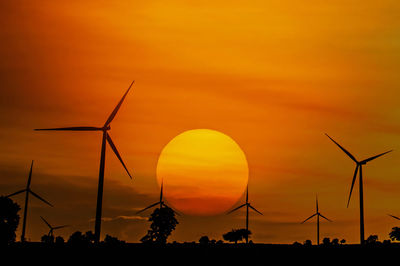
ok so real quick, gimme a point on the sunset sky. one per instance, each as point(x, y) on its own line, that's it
point(272, 75)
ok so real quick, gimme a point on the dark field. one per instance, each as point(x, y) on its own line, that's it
point(195, 254)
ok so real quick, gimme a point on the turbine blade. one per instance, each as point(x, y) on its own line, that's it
point(237, 208)
point(343, 149)
point(309, 218)
point(15, 193)
point(254, 209)
point(152, 205)
point(352, 184)
point(44, 220)
point(395, 217)
point(70, 129)
point(325, 218)
point(29, 177)
point(59, 227)
point(316, 201)
point(374, 157)
point(37, 196)
point(114, 112)
point(109, 140)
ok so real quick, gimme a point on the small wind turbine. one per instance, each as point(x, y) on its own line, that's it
point(359, 165)
point(28, 190)
point(160, 202)
point(318, 214)
point(106, 138)
point(248, 205)
point(51, 227)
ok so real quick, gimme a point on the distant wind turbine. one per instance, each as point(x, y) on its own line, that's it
point(28, 190)
point(248, 205)
point(318, 214)
point(160, 202)
point(359, 165)
point(106, 138)
point(51, 234)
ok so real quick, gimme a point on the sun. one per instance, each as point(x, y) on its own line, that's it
point(204, 172)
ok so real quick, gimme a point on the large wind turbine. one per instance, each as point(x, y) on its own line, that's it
point(318, 214)
point(248, 205)
point(106, 138)
point(28, 190)
point(160, 202)
point(51, 227)
point(359, 165)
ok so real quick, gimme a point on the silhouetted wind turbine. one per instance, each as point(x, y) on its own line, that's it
point(318, 214)
point(27, 190)
point(160, 202)
point(52, 228)
point(359, 165)
point(248, 205)
point(106, 138)
point(395, 217)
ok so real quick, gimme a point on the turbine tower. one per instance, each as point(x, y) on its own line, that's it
point(248, 205)
point(318, 214)
point(51, 234)
point(106, 138)
point(359, 165)
point(160, 202)
point(27, 190)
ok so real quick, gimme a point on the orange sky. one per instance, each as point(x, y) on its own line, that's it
point(273, 75)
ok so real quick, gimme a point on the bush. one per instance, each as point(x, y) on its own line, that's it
point(204, 240)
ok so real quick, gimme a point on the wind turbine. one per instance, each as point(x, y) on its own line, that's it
point(160, 202)
point(27, 190)
point(248, 205)
point(106, 138)
point(51, 227)
point(359, 165)
point(318, 214)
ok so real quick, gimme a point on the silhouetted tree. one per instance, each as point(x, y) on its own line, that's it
point(9, 220)
point(395, 234)
point(297, 244)
point(90, 236)
point(47, 239)
point(386, 242)
point(163, 223)
point(335, 242)
point(343, 241)
point(372, 239)
point(204, 240)
point(79, 239)
point(59, 240)
point(236, 235)
point(307, 243)
point(113, 241)
point(326, 241)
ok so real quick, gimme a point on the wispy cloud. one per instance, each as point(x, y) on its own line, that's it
point(121, 217)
